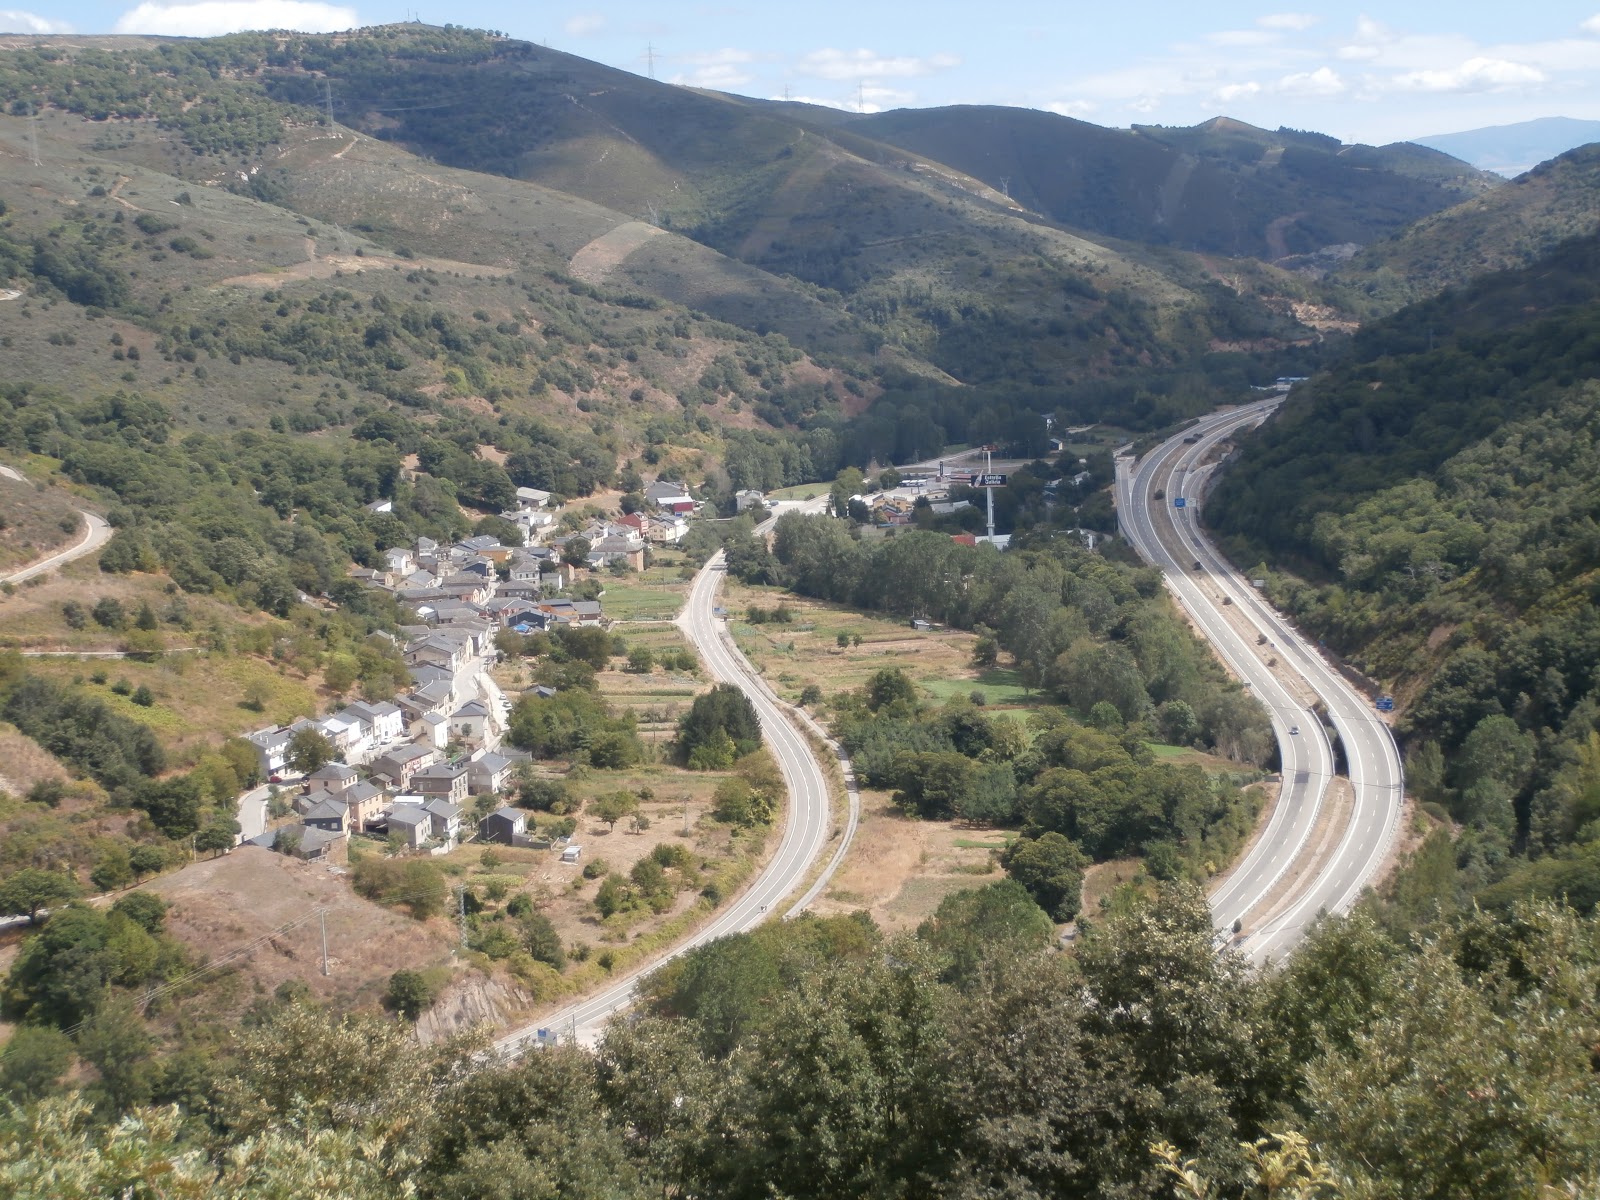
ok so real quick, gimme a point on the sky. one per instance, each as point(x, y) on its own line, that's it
point(1386, 72)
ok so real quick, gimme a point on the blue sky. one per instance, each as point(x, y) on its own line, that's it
point(1383, 73)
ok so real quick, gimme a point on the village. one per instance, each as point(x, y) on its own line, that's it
point(406, 770)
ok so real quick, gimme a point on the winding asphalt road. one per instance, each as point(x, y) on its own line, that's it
point(806, 831)
point(1373, 762)
point(96, 534)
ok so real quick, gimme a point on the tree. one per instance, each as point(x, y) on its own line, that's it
point(641, 661)
point(725, 710)
point(810, 696)
point(309, 749)
point(1051, 869)
point(891, 690)
point(35, 1059)
point(540, 939)
point(62, 972)
point(716, 753)
point(113, 869)
point(409, 994)
point(613, 807)
point(217, 838)
point(145, 909)
point(108, 612)
point(735, 802)
point(31, 889)
point(115, 1040)
point(576, 552)
point(975, 924)
point(615, 895)
point(147, 859)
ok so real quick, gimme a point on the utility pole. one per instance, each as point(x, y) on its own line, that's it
point(861, 96)
point(322, 915)
point(461, 911)
point(327, 100)
point(33, 134)
point(650, 58)
point(989, 492)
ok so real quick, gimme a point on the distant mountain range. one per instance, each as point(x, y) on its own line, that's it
point(1513, 149)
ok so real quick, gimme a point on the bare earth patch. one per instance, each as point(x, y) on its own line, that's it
point(900, 868)
point(594, 262)
point(244, 898)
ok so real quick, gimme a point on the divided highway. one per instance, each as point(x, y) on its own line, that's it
point(806, 828)
point(1255, 891)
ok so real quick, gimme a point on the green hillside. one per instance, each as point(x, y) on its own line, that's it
point(843, 244)
point(1223, 187)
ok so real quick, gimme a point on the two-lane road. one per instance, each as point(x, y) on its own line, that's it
point(806, 830)
point(1373, 763)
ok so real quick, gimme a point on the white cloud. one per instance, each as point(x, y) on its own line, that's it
point(16, 21)
point(821, 101)
point(1290, 21)
point(585, 24)
point(1081, 109)
point(1321, 82)
point(1475, 75)
point(865, 64)
point(717, 69)
point(1232, 92)
point(1592, 25)
point(211, 17)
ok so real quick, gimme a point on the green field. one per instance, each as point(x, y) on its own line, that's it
point(998, 687)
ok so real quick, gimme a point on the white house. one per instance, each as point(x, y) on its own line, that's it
point(446, 821)
point(399, 561)
point(383, 721)
point(470, 722)
point(748, 498)
point(272, 748)
point(431, 729)
point(530, 497)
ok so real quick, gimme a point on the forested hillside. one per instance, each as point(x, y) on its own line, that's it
point(1503, 229)
point(1437, 490)
point(1221, 187)
point(966, 1061)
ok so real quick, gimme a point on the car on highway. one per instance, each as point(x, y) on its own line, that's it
point(1294, 729)
point(1197, 564)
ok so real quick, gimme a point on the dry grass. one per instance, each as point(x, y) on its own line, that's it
point(900, 868)
point(806, 651)
point(199, 699)
point(32, 523)
point(223, 904)
point(23, 762)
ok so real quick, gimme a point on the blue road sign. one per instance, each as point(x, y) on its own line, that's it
point(1385, 703)
point(1180, 502)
